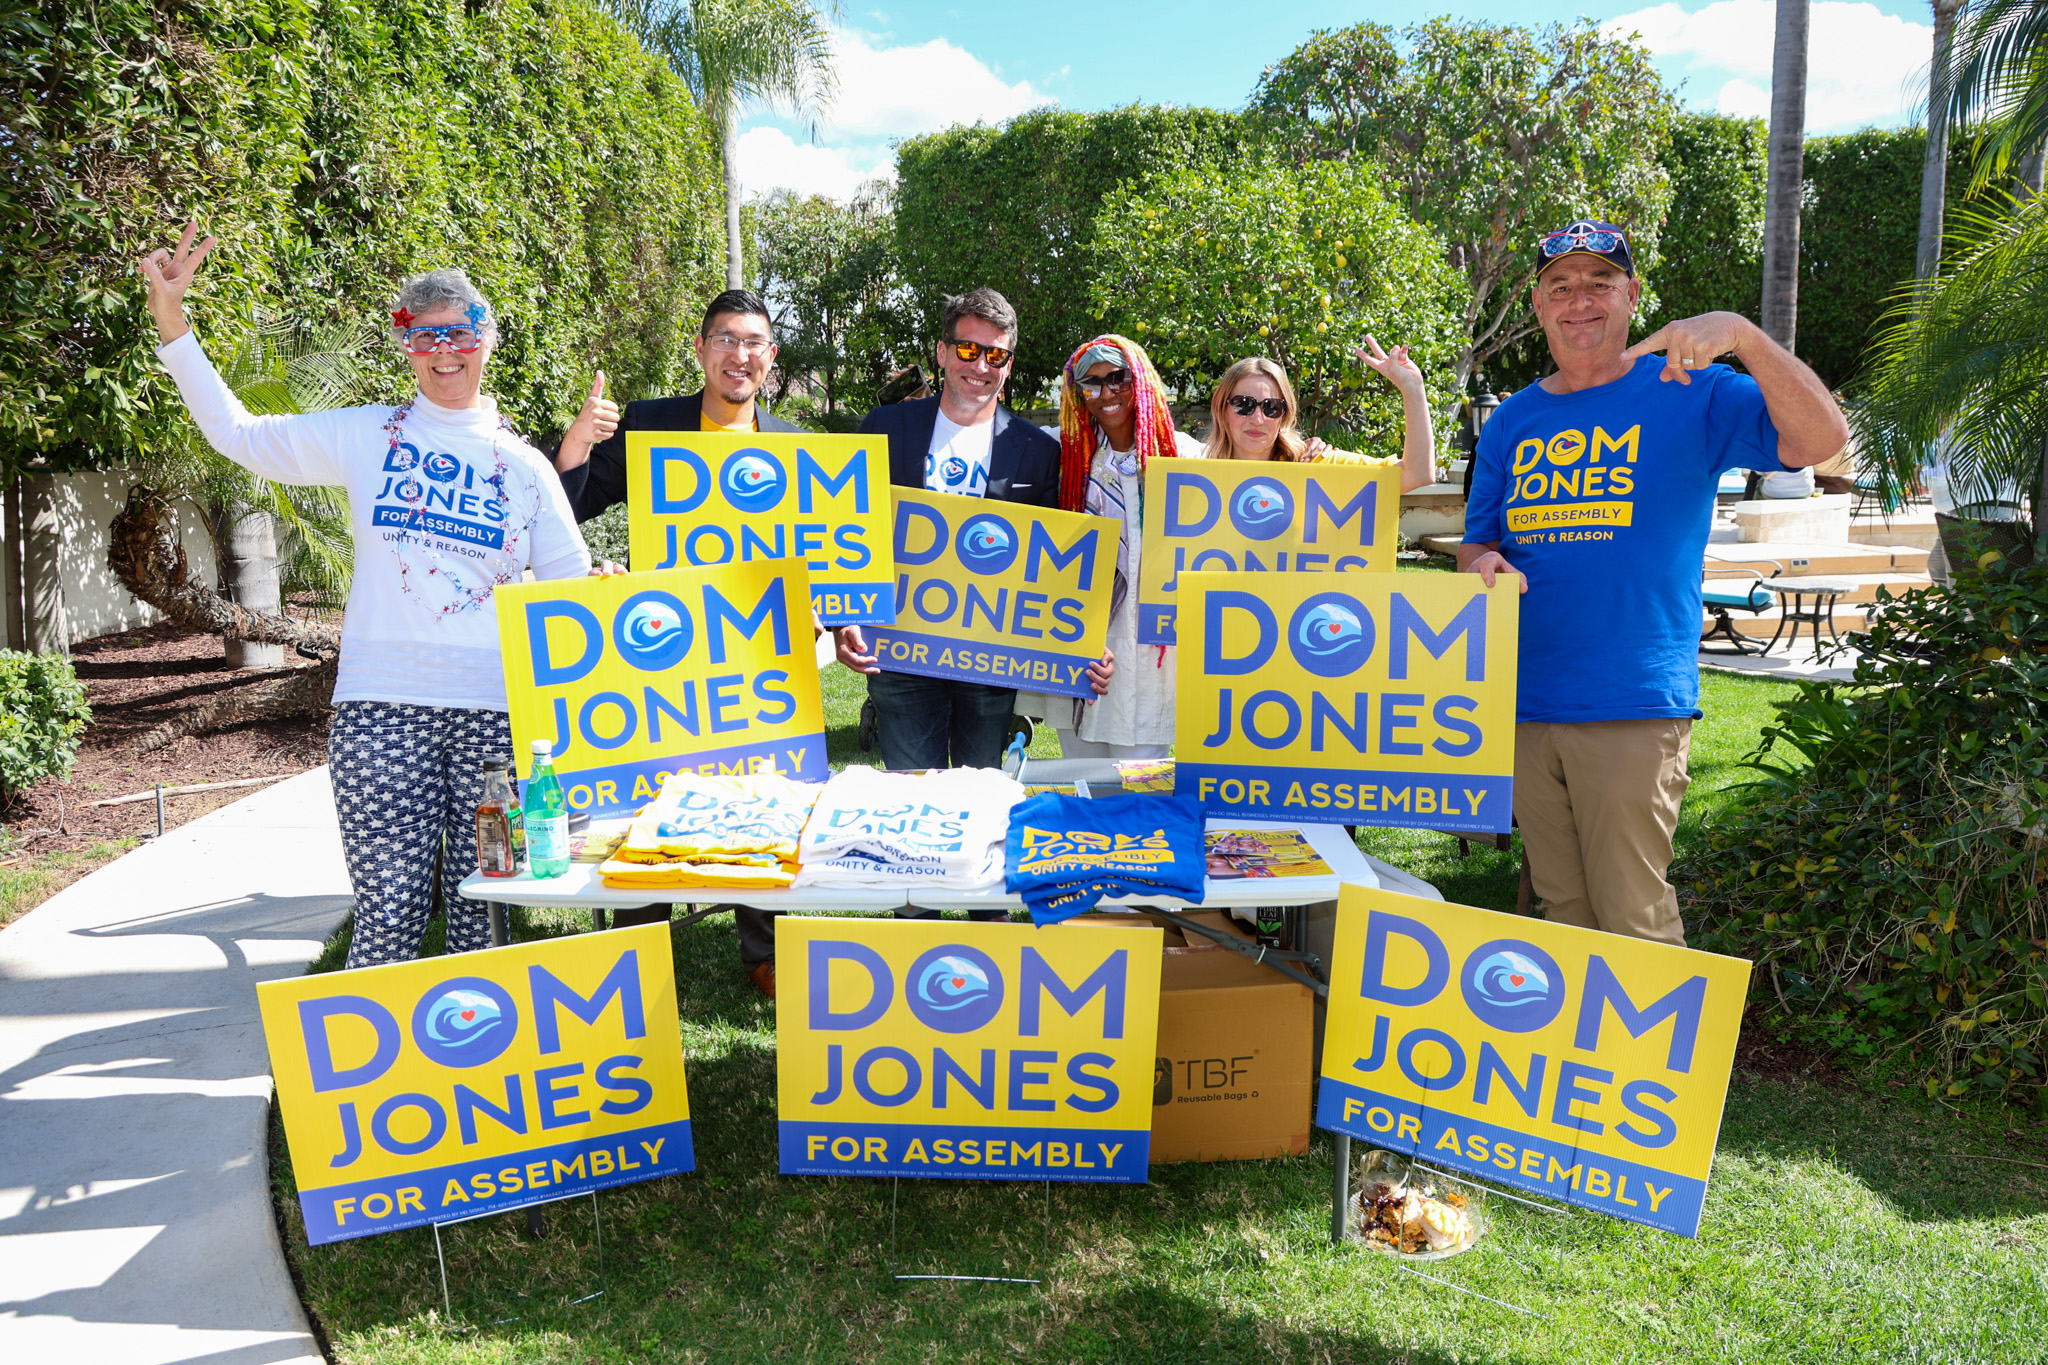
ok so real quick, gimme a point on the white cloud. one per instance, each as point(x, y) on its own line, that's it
point(902, 91)
point(885, 92)
point(771, 159)
point(1864, 66)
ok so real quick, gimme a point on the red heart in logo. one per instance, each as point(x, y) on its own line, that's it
point(958, 982)
point(1515, 980)
point(468, 1015)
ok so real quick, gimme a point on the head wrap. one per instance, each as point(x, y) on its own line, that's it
point(1079, 433)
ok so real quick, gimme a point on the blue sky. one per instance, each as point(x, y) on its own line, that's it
point(913, 68)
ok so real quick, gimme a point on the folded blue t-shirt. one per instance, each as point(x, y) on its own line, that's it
point(1062, 854)
point(1604, 499)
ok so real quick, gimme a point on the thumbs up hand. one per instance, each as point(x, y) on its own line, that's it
point(596, 422)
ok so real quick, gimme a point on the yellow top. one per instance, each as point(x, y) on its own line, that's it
point(704, 423)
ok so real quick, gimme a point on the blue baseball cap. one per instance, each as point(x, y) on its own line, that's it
point(1586, 237)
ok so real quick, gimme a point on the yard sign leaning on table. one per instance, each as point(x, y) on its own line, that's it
point(697, 498)
point(1370, 699)
point(965, 1051)
point(999, 593)
point(1587, 1067)
point(422, 1092)
point(636, 676)
point(1219, 516)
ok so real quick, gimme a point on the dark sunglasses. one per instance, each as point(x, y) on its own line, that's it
point(1244, 405)
point(971, 351)
point(1116, 381)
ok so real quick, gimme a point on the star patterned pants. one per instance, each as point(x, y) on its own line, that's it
point(407, 780)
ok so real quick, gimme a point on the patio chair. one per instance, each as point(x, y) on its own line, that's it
point(1726, 595)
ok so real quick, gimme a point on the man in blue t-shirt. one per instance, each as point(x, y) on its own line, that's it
point(1596, 485)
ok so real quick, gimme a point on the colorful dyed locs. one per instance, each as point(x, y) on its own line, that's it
point(1079, 433)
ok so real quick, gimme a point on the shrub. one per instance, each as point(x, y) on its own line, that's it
point(1891, 887)
point(42, 716)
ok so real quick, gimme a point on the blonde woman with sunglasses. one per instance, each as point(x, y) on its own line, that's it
point(1253, 412)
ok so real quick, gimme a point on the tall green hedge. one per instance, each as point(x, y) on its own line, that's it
point(335, 145)
point(1713, 243)
point(1014, 207)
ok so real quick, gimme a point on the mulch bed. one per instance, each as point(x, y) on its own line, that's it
point(136, 681)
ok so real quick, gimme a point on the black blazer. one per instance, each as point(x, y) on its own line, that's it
point(600, 482)
point(1023, 462)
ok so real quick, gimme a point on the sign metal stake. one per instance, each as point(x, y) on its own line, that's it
point(533, 1214)
point(896, 1184)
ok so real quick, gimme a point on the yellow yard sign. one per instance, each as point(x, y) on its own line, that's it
point(1587, 1067)
point(1000, 593)
point(1229, 516)
point(698, 498)
point(639, 675)
point(423, 1092)
point(1374, 699)
point(965, 1051)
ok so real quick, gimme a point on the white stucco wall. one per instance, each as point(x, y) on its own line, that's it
point(95, 603)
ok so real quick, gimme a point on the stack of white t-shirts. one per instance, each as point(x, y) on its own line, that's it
point(941, 829)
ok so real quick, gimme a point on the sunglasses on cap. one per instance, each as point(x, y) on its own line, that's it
point(1244, 405)
point(971, 351)
point(1094, 386)
point(461, 337)
point(1592, 238)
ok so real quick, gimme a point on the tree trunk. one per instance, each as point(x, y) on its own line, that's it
point(42, 571)
point(734, 266)
point(249, 564)
point(1787, 174)
point(1934, 169)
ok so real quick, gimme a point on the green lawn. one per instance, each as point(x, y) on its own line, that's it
point(1840, 1226)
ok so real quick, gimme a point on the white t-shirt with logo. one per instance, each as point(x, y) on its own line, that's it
point(958, 459)
point(453, 508)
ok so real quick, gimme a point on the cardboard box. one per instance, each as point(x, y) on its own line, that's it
point(1235, 1072)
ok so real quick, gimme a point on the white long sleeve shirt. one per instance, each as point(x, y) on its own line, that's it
point(454, 507)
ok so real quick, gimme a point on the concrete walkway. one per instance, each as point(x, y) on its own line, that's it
point(135, 1218)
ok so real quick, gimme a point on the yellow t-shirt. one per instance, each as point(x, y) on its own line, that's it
point(704, 423)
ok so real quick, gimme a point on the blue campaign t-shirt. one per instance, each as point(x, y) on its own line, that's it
point(1604, 499)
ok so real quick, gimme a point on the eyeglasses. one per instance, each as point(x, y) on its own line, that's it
point(1581, 238)
point(460, 337)
point(1592, 289)
point(1094, 386)
point(971, 351)
point(726, 343)
point(1244, 405)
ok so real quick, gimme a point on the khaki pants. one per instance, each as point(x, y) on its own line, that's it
point(1597, 803)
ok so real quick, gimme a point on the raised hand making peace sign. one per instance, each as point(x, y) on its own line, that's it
point(170, 273)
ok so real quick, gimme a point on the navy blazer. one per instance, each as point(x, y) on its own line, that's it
point(1023, 462)
point(600, 482)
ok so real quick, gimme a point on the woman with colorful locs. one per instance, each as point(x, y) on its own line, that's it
point(419, 701)
point(1114, 419)
point(1253, 413)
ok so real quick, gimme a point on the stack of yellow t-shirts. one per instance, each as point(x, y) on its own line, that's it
point(711, 832)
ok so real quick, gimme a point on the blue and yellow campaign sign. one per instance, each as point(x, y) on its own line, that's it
point(697, 498)
point(965, 1051)
point(1000, 593)
point(1231, 516)
point(1377, 699)
point(1584, 1066)
point(639, 675)
point(422, 1092)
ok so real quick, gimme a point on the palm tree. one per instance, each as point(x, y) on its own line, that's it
point(1786, 177)
point(731, 53)
point(1997, 81)
point(1934, 169)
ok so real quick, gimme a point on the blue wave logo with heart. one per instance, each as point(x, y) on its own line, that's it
point(1261, 510)
point(441, 468)
point(1513, 986)
point(1331, 634)
point(954, 471)
point(954, 989)
point(752, 483)
point(465, 1022)
point(652, 632)
point(986, 545)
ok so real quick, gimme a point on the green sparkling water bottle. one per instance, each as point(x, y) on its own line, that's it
point(547, 815)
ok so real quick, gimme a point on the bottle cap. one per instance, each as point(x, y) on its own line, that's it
point(544, 746)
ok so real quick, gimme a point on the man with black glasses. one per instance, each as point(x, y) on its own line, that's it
point(964, 441)
point(735, 349)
